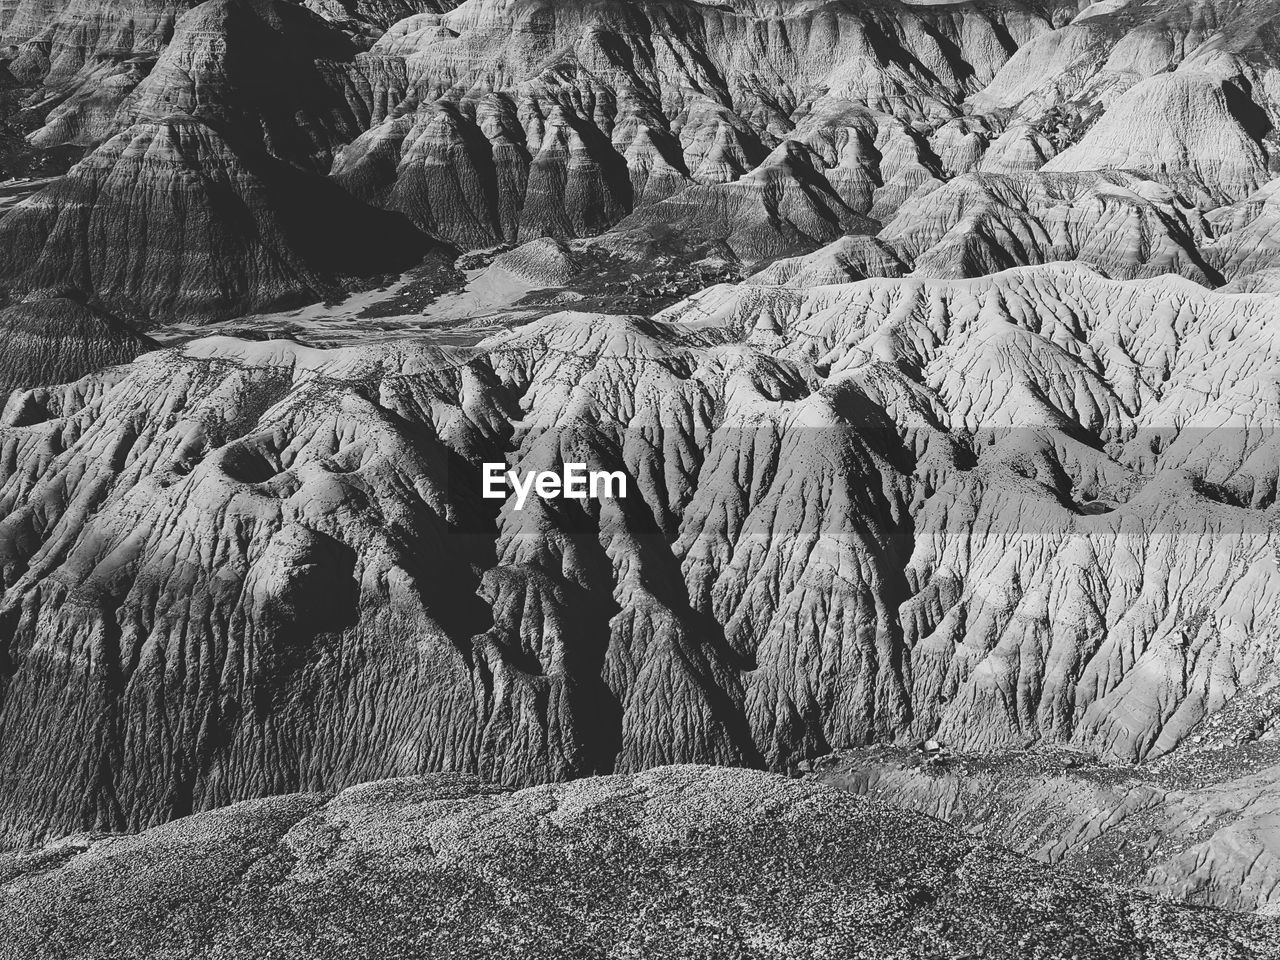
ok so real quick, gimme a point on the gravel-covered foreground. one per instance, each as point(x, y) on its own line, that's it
point(676, 862)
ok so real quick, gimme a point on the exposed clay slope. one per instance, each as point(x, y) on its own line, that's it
point(50, 338)
point(369, 19)
point(167, 220)
point(268, 73)
point(783, 206)
point(1181, 124)
point(1020, 511)
point(1026, 509)
point(743, 134)
point(1119, 224)
point(502, 123)
point(530, 119)
point(1002, 627)
point(676, 862)
point(58, 43)
point(843, 261)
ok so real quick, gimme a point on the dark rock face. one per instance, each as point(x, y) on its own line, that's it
point(167, 219)
point(265, 72)
point(206, 201)
point(675, 862)
point(461, 178)
point(50, 338)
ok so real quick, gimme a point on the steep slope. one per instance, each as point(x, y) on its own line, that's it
point(920, 477)
point(1122, 225)
point(677, 862)
point(168, 220)
point(1001, 652)
point(267, 73)
point(1245, 241)
point(845, 260)
point(1186, 125)
point(51, 339)
point(440, 168)
point(369, 19)
point(783, 206)
point(56, 41)
point(564, 118)
point(498, 123)
point(1026, 509)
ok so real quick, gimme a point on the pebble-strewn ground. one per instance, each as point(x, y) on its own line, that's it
point(687, 862)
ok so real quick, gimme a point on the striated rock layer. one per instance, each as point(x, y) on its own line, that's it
point(204, 198)
point(505, 122)
point(168, 220)
point(51, 338)
point(1030, 509)
point(968, 139)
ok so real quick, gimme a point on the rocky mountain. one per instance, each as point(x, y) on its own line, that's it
point(738, 133)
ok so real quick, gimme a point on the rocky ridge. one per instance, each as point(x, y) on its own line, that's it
point(169, 219)
point(981, 452)
point(1029, 509)
point(1000, 134)
point(674, 862)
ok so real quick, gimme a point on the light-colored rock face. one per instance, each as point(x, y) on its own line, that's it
point(676, 862)
point(1117, 223)
point(366, 20)
point(1018, 510)
point(982, 451)
point(1177, 124)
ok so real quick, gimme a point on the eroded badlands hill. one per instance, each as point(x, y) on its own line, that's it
point(977, 452)
point(675, 862)
point(1033, 508)
point(737, 132)
point(968, 138)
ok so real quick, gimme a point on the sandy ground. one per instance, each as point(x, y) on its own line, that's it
point(483, 305)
